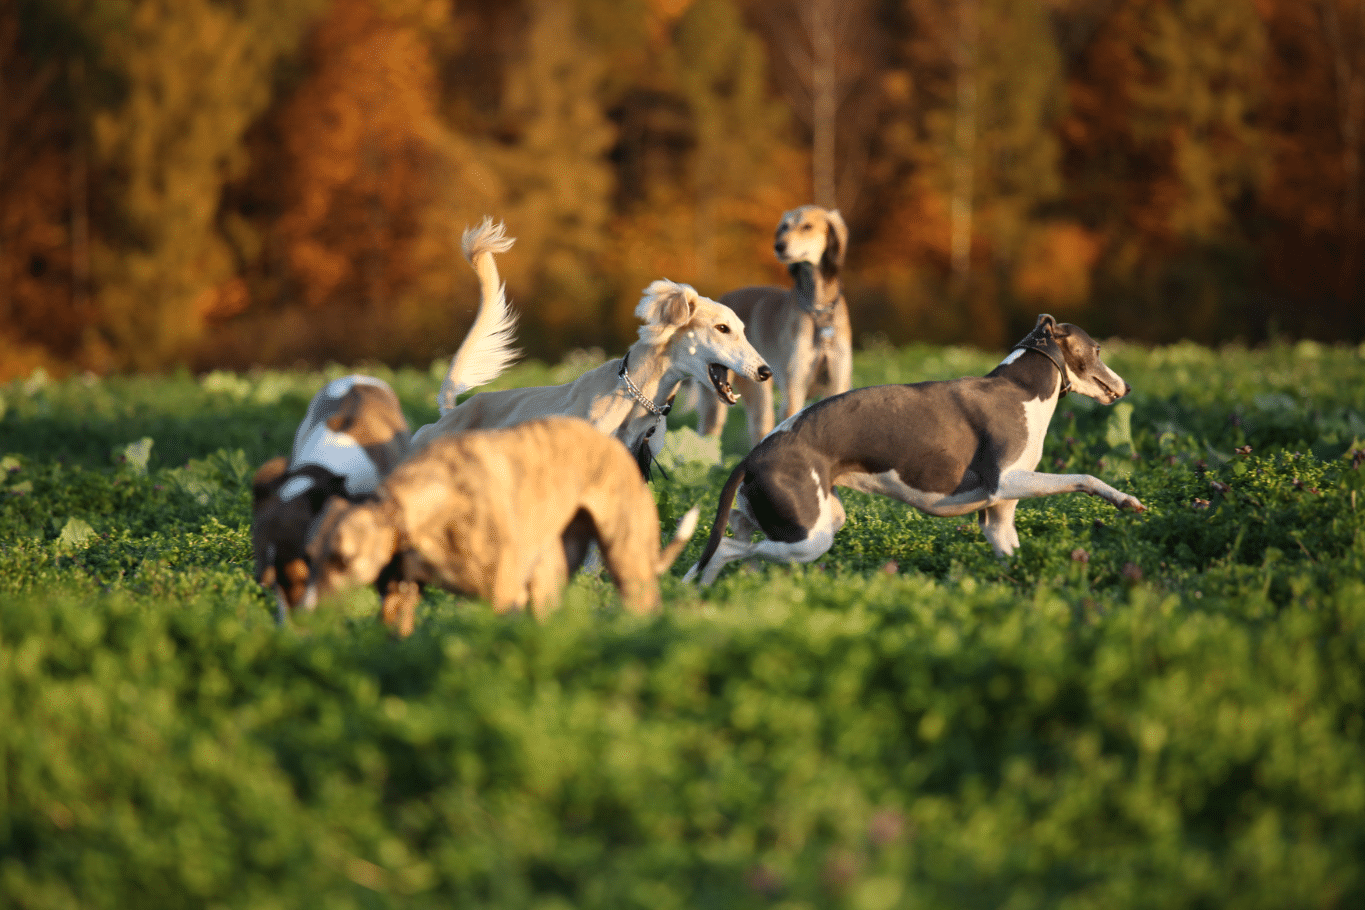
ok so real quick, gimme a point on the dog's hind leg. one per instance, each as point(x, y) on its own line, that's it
point(631, 556)
point(785, 505)
point(997, 523)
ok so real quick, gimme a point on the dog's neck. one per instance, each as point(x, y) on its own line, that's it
point(652, 372)
point(816, 289)
point(1034, 371)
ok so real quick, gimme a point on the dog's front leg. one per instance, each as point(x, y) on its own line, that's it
point(758, 407)
point(508, 588)
point(839, 362)
point(548, 577)
point(399, 608)
point(1032, 484)
point(711, 412)
point(800, 370)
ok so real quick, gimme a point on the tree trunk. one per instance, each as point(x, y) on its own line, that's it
point(964, 144)
point(1350, 83)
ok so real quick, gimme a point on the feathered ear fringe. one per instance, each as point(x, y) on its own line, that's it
point(665, 307)
point(836, 243)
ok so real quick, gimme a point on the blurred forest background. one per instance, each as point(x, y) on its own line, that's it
point(228, 182)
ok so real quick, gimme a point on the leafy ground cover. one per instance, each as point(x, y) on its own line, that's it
point(1164, 709)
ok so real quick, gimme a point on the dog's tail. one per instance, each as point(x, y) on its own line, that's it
point(686, 526)
point(487, 348)
point(727, 501)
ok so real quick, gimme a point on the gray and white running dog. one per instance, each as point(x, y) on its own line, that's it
point(946, 448)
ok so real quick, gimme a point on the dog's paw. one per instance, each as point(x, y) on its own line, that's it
point(1127, 503)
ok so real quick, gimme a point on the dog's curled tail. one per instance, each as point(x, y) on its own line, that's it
point(487, 348)
point(727, 501)
point(686, 526)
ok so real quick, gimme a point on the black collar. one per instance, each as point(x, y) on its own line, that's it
point(1041, 340)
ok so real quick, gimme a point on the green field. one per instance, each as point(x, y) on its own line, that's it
point(1156, 710)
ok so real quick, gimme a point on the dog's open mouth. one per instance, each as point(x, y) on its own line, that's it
point(720, 378)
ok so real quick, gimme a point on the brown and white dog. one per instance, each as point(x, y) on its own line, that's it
point(946, 448)
point(506, 515)
point(685, 335)
point(354, 434)
point(803, 332)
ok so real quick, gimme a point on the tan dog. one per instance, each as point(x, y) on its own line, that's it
point(506, 515)
point(801, 331)
point(354, 434)
point(684, 336)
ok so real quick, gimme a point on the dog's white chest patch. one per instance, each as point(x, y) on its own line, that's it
point(343, 456)
point(1037, 416)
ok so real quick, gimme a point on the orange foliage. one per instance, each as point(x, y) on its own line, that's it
point(1055, 265)
point(40, 324)
point(361, 140)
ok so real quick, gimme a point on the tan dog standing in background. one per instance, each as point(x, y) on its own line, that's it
point(802, 331)
point(505, 515)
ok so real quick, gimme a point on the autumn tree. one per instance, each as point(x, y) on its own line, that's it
point(826, 57)
point(1310, 204)
point(1164, 154)
point(549, 153)
point(187, 78)
point(41, 321)
point(982, 150)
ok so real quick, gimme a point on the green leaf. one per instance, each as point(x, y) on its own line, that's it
point(1119, 430)
point(685, 446)
point(76, 534)
point(134, 455)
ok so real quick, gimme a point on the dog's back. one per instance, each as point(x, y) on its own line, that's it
point(488, 510)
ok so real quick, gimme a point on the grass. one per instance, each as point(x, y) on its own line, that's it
point(1163, 709)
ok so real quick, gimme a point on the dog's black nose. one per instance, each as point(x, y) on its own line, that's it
point(780, 247)
point(764, 374)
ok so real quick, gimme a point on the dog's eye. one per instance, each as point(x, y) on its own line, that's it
point(723, 329)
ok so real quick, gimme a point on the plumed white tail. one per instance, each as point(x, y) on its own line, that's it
point(488, 348)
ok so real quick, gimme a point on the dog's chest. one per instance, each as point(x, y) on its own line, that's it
point(1037, 416)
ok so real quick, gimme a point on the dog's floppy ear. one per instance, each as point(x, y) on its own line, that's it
point(836, 242)
point(1046, 324)
point(268, 478)
point(667, 303)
